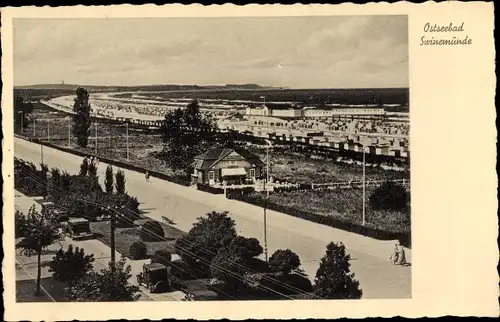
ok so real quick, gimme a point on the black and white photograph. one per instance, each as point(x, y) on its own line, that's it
point(212, 158)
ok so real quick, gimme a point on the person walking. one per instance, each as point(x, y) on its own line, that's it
point(147, 176)
point(401, 256)
point(395, 254)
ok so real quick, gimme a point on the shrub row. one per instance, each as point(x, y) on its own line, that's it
point(209, 189)
point(238, 191)
point(404, 237)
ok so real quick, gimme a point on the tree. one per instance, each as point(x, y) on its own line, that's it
point(229, 268)
point(21, 112)
point(186, 133)
point(284, 261)
point(389, 196)
point(103, 287)
point(108, 182)
point(39, 233)
point(55, 184)
point(84, 167)
point(71, 265)
point(20, 224)
point(207, 236)
point(334, 279)
point(92, 170)
point(245, 247)
point(81, 119)
point(120, 182)
point(152, 231)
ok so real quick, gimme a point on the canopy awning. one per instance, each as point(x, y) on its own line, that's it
point(233, 172)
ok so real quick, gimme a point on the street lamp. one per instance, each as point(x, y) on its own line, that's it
point(364, 185)
point(22, 119)
point(268, 145)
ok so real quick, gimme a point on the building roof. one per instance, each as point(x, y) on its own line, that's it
point(280, 106)
point(207, 159)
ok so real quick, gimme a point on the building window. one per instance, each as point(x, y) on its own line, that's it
point(211, 175)
point(252, 173)
point(232, 163)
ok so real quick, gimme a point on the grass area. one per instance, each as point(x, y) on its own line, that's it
point(124, 237)
point(25, 290)
point(299, 169)
point(343, 204)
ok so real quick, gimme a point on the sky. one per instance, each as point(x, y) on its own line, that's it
point(295, 52)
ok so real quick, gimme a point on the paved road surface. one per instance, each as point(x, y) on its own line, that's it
point(378, 278)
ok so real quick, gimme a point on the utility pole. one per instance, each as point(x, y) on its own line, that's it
point(113, 229)
point(22, 121)
point(364, 186)
point(48, 130)
point(126, 124)
point(96, 137)
point(41, 152)
point(34, 126)
point(266, 189)
point(69, 132)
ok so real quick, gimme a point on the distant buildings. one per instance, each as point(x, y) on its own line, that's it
point(229, 165)
point(288, 111)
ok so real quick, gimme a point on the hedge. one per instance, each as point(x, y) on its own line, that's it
point(138, 250)
point(209, 189)
point(403, 237)
point(152, 231)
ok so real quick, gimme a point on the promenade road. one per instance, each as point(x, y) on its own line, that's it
point(370, 257)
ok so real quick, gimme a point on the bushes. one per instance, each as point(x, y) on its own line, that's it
point(71, 265)
point(152, 231)
point(209, 189)
point(233, 192)
point(162, 256)
point(284, 261)
point(138, 250)
point(389, 196)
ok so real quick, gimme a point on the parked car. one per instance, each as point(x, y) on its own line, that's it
point(154, 277)
point(78, 228)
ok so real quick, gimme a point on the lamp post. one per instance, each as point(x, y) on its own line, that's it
point(364, 185)
point(266, 188)
point(126, 124)
point(96, 141)
point(69, 132)
point(22, 120)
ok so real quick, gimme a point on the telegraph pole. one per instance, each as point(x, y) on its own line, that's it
point(364, 186)
point(96, 137)
point(69, 132)
point(126, 124)
point(48, 130)
point(113, 229)
point(34, 126)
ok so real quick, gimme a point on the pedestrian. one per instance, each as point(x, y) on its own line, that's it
point(147, 176)
point(394, 255)
point(401, 256)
